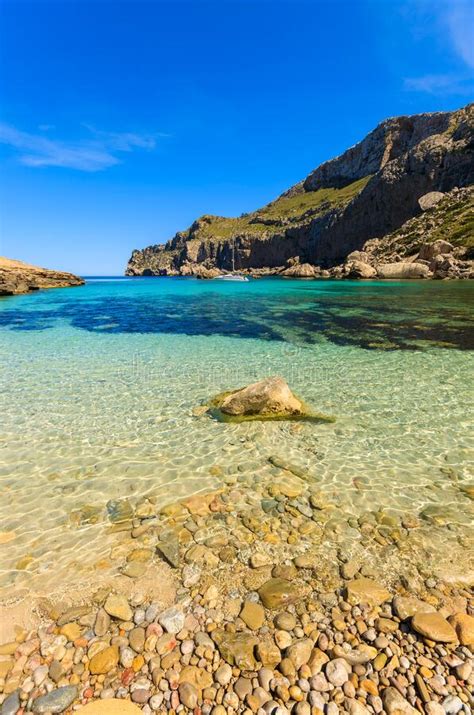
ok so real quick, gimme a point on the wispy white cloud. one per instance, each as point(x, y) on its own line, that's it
point(455, 19)
point(460, 21)
point(88, 154)
point(440, 84)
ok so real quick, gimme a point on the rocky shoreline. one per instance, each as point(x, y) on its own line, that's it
point(274, 611)
point(438, 260)
point(17, 277)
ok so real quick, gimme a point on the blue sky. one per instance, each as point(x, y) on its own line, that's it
point(121, 122)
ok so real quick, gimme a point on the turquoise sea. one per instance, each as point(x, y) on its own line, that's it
point(99, 386)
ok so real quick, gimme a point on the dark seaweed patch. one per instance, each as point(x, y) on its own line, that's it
point(373, 316)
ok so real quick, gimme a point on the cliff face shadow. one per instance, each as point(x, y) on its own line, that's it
point(361, 317)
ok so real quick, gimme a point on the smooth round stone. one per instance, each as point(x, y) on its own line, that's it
point(104, 661)
point(336, 671)
point(107, 693)
point(155, 701)
point(188, 695)
point(264, 677)
point(285, 621)
point(242, 687)
point(39, 674)
point(283, 639)
point(140, 695)
point(223, 675)
point(452, 705)
point(278, 592)
point(434, 708)
point(56, 701)
point(110, 707)
point(187, 647)
point(136, 639)
point(117, 606)
point(126, 657)
point(139, 616)
point(434, 627)
point(462, 671)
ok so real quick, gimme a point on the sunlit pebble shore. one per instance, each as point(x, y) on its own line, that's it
point(260, 624)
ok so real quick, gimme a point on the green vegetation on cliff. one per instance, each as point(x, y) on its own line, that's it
point(285, 210)
point(451, 220)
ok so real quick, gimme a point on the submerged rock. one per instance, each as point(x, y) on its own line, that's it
point(364, 590)
point(236, 648)
point(168, 548)
point(270, 398)
point(278, 592)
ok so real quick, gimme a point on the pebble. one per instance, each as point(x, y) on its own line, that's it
point(172, 619)
point(116, 605)
point(434, 626)
point(336, 671)
point(253, 615)
point(11, 704)
point(104, 661)
point(223, 674)
point(102, 622)
point(285, 621)
point(452, 705)
point(56, 701)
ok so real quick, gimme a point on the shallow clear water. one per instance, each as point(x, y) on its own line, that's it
point(98, 386)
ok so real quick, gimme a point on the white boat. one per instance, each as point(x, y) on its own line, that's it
point(232, 276)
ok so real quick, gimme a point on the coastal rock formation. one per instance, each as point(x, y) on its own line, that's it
point(409, 169)
point(17, 277)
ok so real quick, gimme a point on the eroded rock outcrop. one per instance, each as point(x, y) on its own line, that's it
point(300, 270)
point(403, 270)
point(17, 277)
point(406, 168)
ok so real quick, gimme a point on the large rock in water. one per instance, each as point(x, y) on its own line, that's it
point(267, 399)
point(271, 395)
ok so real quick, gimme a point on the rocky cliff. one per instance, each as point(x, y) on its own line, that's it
point(18, 277)
point(369, 192)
